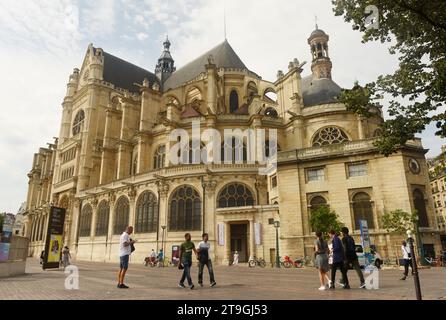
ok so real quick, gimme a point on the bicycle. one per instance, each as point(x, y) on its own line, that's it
point(300, 263)
point(257, 262)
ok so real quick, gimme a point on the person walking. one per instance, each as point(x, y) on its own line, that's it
point(125, 250)
point(338, 261)
point(407, 257)
point(205, 260)
point(321, 260)
point(186, 250)
point(235, 259)
point(160, 258)
point(351, 256)
point(66, 257)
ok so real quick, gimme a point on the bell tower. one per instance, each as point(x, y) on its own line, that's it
point(165, 66)
point(321, 64)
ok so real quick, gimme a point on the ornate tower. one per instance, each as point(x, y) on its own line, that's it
point(321, 63)
point(165, 66)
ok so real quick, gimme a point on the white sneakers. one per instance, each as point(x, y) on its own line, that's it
point(322, 288)
point(325, 287)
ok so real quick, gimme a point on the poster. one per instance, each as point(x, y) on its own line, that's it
point(5, 242)
point(365, 239)
point(175, 255)
point(221, 234)
point(54, 236)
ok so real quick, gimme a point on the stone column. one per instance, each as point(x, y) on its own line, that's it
point(73, 225)
point(361, 134)
point(163, 191)
point(94, 218)
point(211, 87)
point(111, 221)
point(252, 247)
point(132, 203)
point(107, 160)
point(209, 213)
point(227, 256)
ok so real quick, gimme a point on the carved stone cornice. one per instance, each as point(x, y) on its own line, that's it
point(163, 188)
point(209, 186)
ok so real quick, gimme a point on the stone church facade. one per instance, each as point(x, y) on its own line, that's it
point(110, 166)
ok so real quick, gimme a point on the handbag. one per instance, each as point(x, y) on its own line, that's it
point(180, 266)
point(132, 246)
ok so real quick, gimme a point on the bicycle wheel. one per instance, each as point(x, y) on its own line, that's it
point(252, 263)
point(262, 263)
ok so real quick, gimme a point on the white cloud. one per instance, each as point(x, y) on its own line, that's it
point(142, 36)
point(98, 18)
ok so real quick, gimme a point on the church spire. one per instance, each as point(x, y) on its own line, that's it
point(166, 64)
point(321, 64)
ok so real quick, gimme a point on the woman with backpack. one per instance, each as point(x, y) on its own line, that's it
point(321, 260)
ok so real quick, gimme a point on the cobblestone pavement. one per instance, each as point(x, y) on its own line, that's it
point(97, 281)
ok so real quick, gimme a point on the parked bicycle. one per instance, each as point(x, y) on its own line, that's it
point(257, 262)
point(302, 262)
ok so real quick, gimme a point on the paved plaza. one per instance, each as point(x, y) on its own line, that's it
point(97, 281)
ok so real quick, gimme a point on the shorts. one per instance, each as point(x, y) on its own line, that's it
point(124, 262)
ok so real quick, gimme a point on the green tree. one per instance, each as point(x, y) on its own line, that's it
point(416, 30)
point(399, 221)
point(323, 219)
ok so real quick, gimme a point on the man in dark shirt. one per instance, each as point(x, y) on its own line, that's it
point(338, 260)
point(351, 256)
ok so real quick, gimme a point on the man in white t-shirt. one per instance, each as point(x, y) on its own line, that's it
point(407, 256)
point(204, 259)
point(125, 250)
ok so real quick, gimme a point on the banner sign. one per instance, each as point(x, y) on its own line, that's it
point(175, 255)
point(53, 243)
point(221, 234)
point(258, 233)
point(365, 238)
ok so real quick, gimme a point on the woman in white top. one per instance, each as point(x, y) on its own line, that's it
point(235, 262)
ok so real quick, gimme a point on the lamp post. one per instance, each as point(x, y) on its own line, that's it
point(277, 226)
point(416, 278)
point(162, 243)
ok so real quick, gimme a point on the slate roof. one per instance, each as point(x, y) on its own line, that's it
point(124, 74)
point(224, 57)
point(319, 91)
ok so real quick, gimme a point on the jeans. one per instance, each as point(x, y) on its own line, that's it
point(210, 269)
point(407, 263)
point(355, 265)
point(186, 272)
point(340, 266)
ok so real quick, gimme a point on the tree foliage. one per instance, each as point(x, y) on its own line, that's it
point(399, 221)
point(323, 219)
point(416, 30)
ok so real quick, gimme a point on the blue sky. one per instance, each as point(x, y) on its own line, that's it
point(42, 41)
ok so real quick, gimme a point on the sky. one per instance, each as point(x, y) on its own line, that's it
point(42, 41)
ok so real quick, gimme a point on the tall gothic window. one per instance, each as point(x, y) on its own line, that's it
point(160, 157)
point(85, 221)
point(420, 205)
point(42, 228)
point(234, 151)
point(185, 210)
point(78, 122)
point(233, 101)
point(192, 153)
point(329, 135)
point(102, 219)
point(146, 213)
point(235, 195)
point(122, 212)
point(362, 210)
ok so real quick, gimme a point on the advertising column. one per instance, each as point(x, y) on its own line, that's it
point(53, 244)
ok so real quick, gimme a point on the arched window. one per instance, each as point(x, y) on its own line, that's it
point(234, 151)
point(362, 210)
point(146, 213)
point(160, 157)
point(317, 202)
point(85, 221)
point(329, 135)
point(102, 219)
point(78, 122)
point(185, 210)
point(420, 205)
point(122, 212)
point(233, 101)
point(271, 112)
point(235, 195)
point(192, 154)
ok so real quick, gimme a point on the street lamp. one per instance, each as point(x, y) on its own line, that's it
point(277, 226)
point(162, 243)
point(416, 278)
